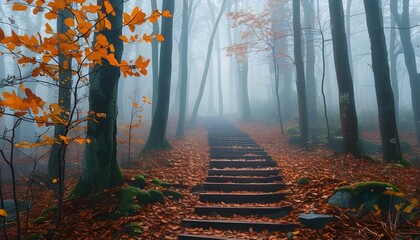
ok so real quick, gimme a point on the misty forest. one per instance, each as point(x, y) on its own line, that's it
point(209, 119)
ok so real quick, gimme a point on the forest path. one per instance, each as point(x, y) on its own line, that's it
point(242, 180)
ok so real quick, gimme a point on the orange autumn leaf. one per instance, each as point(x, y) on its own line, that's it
point(108, 8)
point(160, 38)
point(166, 13)
point(19, 7)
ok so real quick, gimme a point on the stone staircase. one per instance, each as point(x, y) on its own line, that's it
point(240, 174)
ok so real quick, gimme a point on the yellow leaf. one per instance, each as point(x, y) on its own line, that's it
point(69, 22)
point(414, 204)
point(136, 105)
point(101, 115)
point(51, 15)
point(123, 38)
point(19, 7)
point(3, 212)
point(166, 13)
point(55, 180)
point(65, 139)
point(48, 29)
point(160, 38)
point(109, 9)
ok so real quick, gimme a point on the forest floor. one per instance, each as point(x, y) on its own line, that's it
point(186, 164)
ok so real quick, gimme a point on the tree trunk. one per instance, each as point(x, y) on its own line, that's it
point(155, 62)
point(403, 22)
point(348, 36)
point(386, 111)
point(393, 68)
point(309, 11)
point(348, 115)
point(207, 65)
point(243, 78)
point(300, 76)
point(157, 137)
point(100, 167)
point(64, 99)
point(183, 68)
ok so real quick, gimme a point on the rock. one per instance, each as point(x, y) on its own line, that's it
point(315, 221)
point(341, 199)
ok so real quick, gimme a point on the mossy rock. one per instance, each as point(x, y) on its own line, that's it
point(370, 196)
point(139, 181)
point(160, 183)
point(128, 196)
point(303, 181)
point(38, 220)
point(157, 196)
point(144, 198)
point(174, 194)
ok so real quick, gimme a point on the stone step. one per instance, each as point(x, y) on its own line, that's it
point(242, 197)
point(234, 154)
point(231, 151)
point(242, 157)
point(199, 237)
point(242, 163)
point(232, 144)
point(249, 187)
point(240, 179)
point(243, 172)
point(271, 212)
point(238, 225)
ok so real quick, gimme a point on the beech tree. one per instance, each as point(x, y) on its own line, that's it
point(386, 109)
point(403, 22)
point(348, 115)
point(300, 76)
point(157, 136)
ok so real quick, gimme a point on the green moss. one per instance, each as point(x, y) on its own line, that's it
point(157, 196)
point(139, 181)
point(144, 198)
point(146, 175)
point(38, 220)
point(303, 180)
point(160, 183)
point(49, 210)
point(366, 187)
point(36, 236)
point(176, 195)
point(81, 189)
point(134, 229)
point(405, 163)
point(127, 197)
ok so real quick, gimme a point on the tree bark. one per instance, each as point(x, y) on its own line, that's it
point(157, 137)
point(308, 7)
point(300, 76)
point(183, 68)
point(403, 23)
point(386, 110)
point(155, 62)
point(393, 68)
point(348, 115)
point(207, 65)
point(64, 99)
point(100, 167)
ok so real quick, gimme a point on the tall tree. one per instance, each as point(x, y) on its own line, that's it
point(393, 55)
point(157, 137)
point(100, 166)
point(64, 98)
point(300, 76)
point(155, 62)
point(348, 115)
point(403, 23)
point(207, 64)
point(309, 11)
point(348, 35)
point(384, 96)
point(183, 68)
